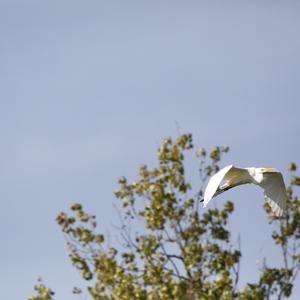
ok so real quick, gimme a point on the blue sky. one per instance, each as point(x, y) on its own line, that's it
point(90, 88)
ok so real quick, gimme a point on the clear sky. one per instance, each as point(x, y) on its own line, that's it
point(89, 89)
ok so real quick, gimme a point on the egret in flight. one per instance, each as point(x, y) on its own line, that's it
point(269, 179)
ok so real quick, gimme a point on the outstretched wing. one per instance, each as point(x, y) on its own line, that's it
point(231, 177)
point(274, 192)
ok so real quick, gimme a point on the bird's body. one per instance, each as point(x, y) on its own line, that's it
point(269, 179)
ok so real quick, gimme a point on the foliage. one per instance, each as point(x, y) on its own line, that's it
point(178, 252)
point(44, 293)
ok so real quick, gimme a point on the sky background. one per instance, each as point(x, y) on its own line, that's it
point(90, 88)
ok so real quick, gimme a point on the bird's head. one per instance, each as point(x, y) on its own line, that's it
point(268, 170)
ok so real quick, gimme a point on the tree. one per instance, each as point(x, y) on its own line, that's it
point(171, 249)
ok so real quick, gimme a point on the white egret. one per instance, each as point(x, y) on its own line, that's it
point(269, 179)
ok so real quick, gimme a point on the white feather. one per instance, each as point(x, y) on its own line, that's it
point(269, 179)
